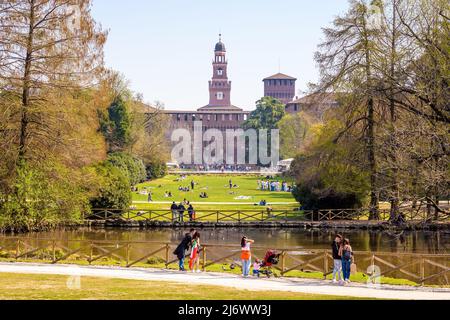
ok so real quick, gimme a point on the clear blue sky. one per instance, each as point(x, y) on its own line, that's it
point(165, 47)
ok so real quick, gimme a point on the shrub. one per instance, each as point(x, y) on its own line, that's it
point(333, 185)
point(132, 167)
point(156, 170)
point(113, 188)
point(44, 197)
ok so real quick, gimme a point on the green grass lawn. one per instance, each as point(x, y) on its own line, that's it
point(217, 188)
point(51, 287)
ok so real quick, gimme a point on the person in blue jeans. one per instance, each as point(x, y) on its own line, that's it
point(347, 259)
point(246, 256)
point(184, 246)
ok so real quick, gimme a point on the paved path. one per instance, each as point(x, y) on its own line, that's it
point(233, 281)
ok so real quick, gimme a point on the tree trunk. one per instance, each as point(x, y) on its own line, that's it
point(374, 212)
point(395, 194)
point(26, 89)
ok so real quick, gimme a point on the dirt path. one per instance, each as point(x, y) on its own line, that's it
point(233, 281)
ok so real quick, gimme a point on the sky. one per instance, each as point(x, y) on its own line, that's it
point(165, 47)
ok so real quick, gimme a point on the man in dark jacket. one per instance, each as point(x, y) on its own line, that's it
point(181, 210)
point(174, 209)
point(184, 246)
point(337, 269)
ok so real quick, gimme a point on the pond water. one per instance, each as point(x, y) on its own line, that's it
point(405, 242)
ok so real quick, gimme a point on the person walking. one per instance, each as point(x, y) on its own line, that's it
point(192, 185)
point(194, 262)
point(181, 210)
point(246, 255)
point(337, 269)
point(184, 246)
point(174, 209)
point(150, 199)
point(191, 213)
point(347, 259)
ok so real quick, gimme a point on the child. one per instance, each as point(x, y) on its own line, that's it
point(256, 268)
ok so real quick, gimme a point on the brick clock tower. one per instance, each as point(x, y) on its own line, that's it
point(219, 86)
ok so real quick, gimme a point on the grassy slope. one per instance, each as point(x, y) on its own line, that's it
point(49, 287)
point(217, 189)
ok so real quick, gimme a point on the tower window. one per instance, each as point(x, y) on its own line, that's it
point(220, 96)
point(220, 72)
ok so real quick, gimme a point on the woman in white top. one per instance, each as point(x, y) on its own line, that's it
point(246, 255)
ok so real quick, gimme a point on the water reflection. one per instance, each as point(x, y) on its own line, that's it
point(416, 242)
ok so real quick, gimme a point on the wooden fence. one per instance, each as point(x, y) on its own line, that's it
point(422, 269)
point(257, 215)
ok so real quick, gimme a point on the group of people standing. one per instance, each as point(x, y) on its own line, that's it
point(191, 241)
point(343, 260)
point(273, 186)
point(342, 254)
point(178, 211)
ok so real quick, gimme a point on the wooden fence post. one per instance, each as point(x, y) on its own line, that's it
point(372, 263)
point(17, 249)
point(283, 262)
point(128, 254)
point(325, 265)
point(91, 252)
point(422, 271)
point(204, 258)
point(167, 255)
point(53, 251)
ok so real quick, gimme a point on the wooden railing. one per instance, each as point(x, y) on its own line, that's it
point(257, 215)
point(422, 269)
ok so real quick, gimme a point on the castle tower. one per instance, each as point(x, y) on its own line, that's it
point(281, 87)
point(219, 86)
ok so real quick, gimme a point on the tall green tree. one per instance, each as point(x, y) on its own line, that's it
point(116, 125)
point(51, 54)
point(347, 64)
point(294, 134)
point(269, 111)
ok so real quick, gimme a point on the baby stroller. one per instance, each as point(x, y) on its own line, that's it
point(270, 259)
